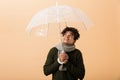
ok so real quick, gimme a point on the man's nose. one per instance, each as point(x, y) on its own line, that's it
point(67, 36)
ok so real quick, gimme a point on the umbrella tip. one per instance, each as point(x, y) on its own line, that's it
point(56, 3)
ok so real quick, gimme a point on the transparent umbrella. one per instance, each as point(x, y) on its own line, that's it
point(57, 14)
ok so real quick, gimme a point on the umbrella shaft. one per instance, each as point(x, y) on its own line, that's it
point(60, 36)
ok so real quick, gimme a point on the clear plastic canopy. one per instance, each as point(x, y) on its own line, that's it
point(57, 14)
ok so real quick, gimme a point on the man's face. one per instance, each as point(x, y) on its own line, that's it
point(68, 38)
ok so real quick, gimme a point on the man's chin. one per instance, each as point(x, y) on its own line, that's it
point(67, 43)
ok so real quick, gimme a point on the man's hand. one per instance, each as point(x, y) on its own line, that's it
point(63, 57)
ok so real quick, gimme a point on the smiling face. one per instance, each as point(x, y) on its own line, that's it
point(68, 38)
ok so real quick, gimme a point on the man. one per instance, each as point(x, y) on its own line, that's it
point(64, 61)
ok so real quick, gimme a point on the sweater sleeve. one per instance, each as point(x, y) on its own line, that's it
point(77, 70)
point(51, 65)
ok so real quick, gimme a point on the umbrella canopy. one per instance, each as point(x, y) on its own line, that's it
point(58, 14)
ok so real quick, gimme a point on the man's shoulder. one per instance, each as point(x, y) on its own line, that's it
point(77, 51)
point(53, 49)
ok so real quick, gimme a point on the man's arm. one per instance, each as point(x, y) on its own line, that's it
point(51, 66)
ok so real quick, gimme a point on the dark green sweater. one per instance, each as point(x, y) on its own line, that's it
point(75, 66)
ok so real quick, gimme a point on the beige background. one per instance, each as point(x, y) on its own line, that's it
point(22, 56)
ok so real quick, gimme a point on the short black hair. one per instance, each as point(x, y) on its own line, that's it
point(73, 30)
